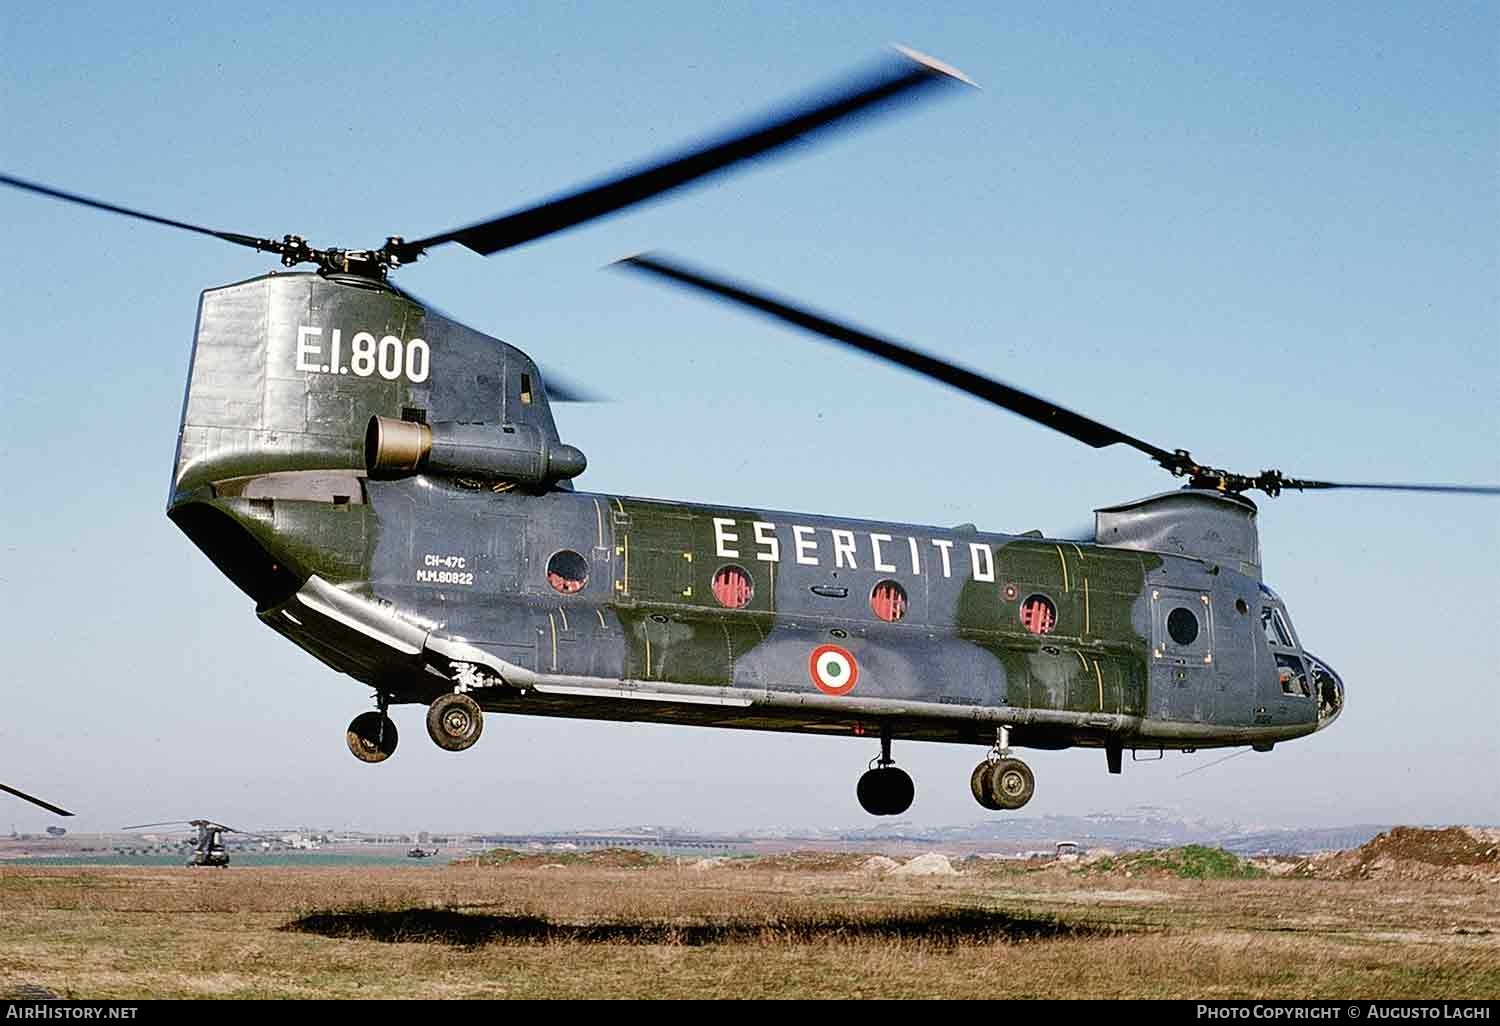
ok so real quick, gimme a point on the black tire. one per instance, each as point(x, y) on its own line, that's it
point(1011, 783)
point(454, 722)
point(885, 791)
point(979, 785)
point(870, 793)
point(899, 791)
point(371, 737)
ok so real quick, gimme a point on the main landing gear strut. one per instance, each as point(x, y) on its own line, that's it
point(1001, 781)
point(454, 722)
point(885, 790)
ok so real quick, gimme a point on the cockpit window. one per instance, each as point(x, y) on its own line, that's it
point(1293, 677)
point(1275, 628)
point(1329, 688)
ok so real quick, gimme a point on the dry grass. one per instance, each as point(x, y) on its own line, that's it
point(747, 931)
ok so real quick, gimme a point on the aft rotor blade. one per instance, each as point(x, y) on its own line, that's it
point(165, 822)
point(902, 79)
point(72, 197)
point(558, 389)
point(1309, 486)
point(33, 799)
point(1034, 408)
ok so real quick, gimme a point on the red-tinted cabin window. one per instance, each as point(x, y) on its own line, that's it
point(888, 600)
point(567, 571)
point(732, 587)
point(1038, 614)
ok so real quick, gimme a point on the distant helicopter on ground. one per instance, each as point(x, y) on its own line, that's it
point(390, 488)
point(421, 853)
point(35, 800)
point(208, 839)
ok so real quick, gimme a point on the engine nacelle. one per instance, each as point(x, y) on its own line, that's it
point(510, 452)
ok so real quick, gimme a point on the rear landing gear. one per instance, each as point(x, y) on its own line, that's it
point(884, 790)
point(454, 722)
point(1002, 782)
point(372, 736)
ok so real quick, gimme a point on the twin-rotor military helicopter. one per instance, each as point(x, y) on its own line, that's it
point(391, 489)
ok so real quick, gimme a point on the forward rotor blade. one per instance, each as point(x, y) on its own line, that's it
point(165, 822)
point(912, 73)
point(1309, 486)
point(1034, 408)
point(33, 799)
point(45, 190)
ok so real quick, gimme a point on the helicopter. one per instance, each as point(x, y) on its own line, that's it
point(390, 488)
point(415, 852)
point(208, 840)
point(35, 800)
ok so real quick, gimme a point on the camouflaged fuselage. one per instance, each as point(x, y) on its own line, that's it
point(667, 611)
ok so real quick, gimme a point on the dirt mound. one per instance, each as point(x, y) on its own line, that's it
point(1190, 862)
point(1414, 853)
point(931, 864)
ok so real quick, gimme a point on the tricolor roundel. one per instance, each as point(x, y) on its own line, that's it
point(833, 669)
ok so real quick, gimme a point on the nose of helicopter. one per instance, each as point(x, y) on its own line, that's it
point(1330, 691)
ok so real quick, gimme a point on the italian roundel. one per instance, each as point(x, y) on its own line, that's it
point(833, 670)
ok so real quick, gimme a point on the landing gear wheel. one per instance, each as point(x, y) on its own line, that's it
point(1011, 784)
point(885, 791)
point(371, 737)
point(454, 722)
point(979, 784)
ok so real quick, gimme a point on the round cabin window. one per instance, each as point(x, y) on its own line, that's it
point(1182, 625)
point(567, 571)
point(733, 587)
point(888, 601)
point(1038, 614)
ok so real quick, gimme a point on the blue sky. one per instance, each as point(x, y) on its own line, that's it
point(1264, 232)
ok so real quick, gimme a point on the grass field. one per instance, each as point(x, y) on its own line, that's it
point(794, 928)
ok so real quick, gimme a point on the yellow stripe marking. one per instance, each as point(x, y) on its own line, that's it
point(1085, 605)
point(1099, 676)
point(1064, 561)
point(554, 641)
point(627, 564)
point(564, 614)
point(599, 515)
point(600, 614)
point(648, 657)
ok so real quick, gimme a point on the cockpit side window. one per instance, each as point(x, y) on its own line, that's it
point(1293, 676)
point(1275, 627)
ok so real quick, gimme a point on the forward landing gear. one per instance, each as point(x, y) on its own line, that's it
point(1002, 782)
point(454, 721)
point(884, 790)
point(372, 736)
